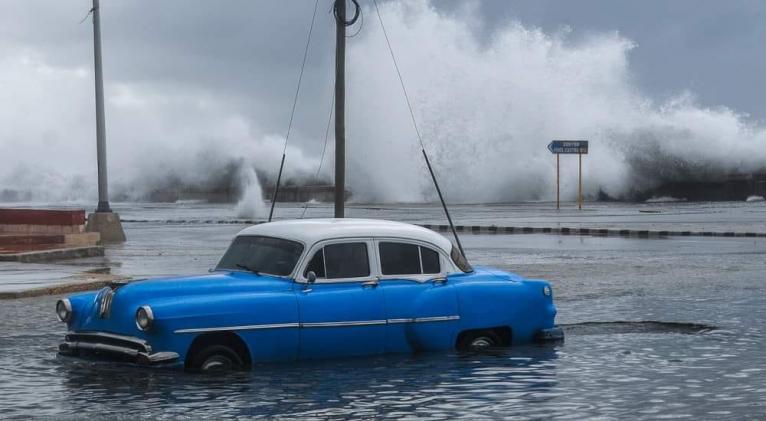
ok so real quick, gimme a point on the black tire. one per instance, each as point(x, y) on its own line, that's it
point(216, 359)
point(479, 340)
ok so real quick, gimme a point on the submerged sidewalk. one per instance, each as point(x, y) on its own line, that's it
point(177, 239)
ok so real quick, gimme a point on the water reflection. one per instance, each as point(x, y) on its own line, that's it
point(435, 385)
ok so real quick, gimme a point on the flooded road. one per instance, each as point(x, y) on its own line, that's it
point(658, 365)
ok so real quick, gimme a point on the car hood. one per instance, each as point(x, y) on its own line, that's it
point(163, 292)
point(211, 284)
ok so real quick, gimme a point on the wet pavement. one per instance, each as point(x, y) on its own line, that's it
point(657, 366)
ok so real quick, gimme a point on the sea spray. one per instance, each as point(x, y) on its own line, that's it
point(251, 204)
point(486, 108)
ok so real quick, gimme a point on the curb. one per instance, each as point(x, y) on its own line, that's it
point(53, 254)
point(63, 288)
point(197, 221)
point(601, 232)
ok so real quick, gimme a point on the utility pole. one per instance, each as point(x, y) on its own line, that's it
point(103, 220)
point(103, 193)
point(340, 107)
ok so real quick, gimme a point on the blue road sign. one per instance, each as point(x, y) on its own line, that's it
point(568, 146)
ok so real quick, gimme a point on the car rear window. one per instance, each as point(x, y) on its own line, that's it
point(460, 260)
point(268, 255)
point(407, 259)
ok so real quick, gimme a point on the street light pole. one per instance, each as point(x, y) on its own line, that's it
point(103, 193)
point(103, 220)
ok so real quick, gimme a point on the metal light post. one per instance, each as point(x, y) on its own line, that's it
point(103, 221)
point(103, 193)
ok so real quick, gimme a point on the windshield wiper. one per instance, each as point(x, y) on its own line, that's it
point(247, 268)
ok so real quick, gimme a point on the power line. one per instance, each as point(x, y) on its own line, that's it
point(292, 112)
point(324, 149)
point(417, 131)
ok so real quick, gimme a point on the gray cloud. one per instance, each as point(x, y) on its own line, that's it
point(186, 78)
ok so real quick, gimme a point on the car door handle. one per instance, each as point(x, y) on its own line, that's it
point(370, 284)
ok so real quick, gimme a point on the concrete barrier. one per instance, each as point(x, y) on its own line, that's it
point(495, 229)
point(601, 232)
point(36, 233)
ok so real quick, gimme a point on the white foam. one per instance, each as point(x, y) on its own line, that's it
point(251, 204)
point(487, 110)
point(665, 199)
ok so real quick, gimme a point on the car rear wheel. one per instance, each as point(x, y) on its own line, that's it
point(477, 341)
point(216, 359)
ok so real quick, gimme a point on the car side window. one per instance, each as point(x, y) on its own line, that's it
point(344, 260)
point(407, 259)
point(399, 258)
point(430, 260)
point(316, 264)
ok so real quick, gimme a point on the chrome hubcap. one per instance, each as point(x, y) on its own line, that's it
point(217, 363)
point(481, 342)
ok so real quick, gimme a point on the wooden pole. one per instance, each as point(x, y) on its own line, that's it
point(579, 194)
point(558, 188)
point(340, 106)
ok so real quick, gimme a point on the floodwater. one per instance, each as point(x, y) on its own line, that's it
point(656, 328)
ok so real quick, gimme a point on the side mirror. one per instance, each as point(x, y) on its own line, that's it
point(311, 277)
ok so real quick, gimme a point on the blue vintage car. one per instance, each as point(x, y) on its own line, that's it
point(314, 288)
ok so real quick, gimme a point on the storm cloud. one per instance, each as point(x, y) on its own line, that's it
point(192, 85)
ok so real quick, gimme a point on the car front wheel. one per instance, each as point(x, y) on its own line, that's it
point(216, 358)
point(478, 341)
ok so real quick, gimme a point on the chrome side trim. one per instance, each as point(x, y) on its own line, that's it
point(341, 324)
point(394, 321)
point(245, 327)
point(321, 324)
point(436, 319)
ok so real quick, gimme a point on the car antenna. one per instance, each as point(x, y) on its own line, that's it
point(417, 131)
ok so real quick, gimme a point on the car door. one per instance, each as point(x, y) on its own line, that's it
point(343, 312)
point(421, 306)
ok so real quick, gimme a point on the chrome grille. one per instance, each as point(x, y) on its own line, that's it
point(104, 301)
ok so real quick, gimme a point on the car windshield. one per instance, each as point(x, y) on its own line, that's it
point(258, 254)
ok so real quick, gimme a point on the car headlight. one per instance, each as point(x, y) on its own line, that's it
point(144, 318)
point(64, 310)
point(547, 291)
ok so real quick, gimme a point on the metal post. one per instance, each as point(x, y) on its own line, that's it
point(103, 194)
point(340, 104)
point(103, 220)
point(579, 194)
point(558, 190)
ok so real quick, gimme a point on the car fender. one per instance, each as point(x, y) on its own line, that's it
point(488, 302)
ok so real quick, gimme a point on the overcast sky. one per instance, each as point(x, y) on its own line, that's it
point(181, 68)
point(713, 48)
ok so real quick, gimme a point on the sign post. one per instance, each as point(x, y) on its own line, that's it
point(558, 147)
point(579, 190)
point(558, 190)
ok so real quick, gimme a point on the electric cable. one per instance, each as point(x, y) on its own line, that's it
point(292, 112)
point(324, 149)
point(417, 131)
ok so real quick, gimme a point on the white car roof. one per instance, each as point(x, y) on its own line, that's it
point(311, 231)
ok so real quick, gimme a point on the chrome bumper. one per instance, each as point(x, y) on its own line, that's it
point(554, 334)
point(112, 346)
